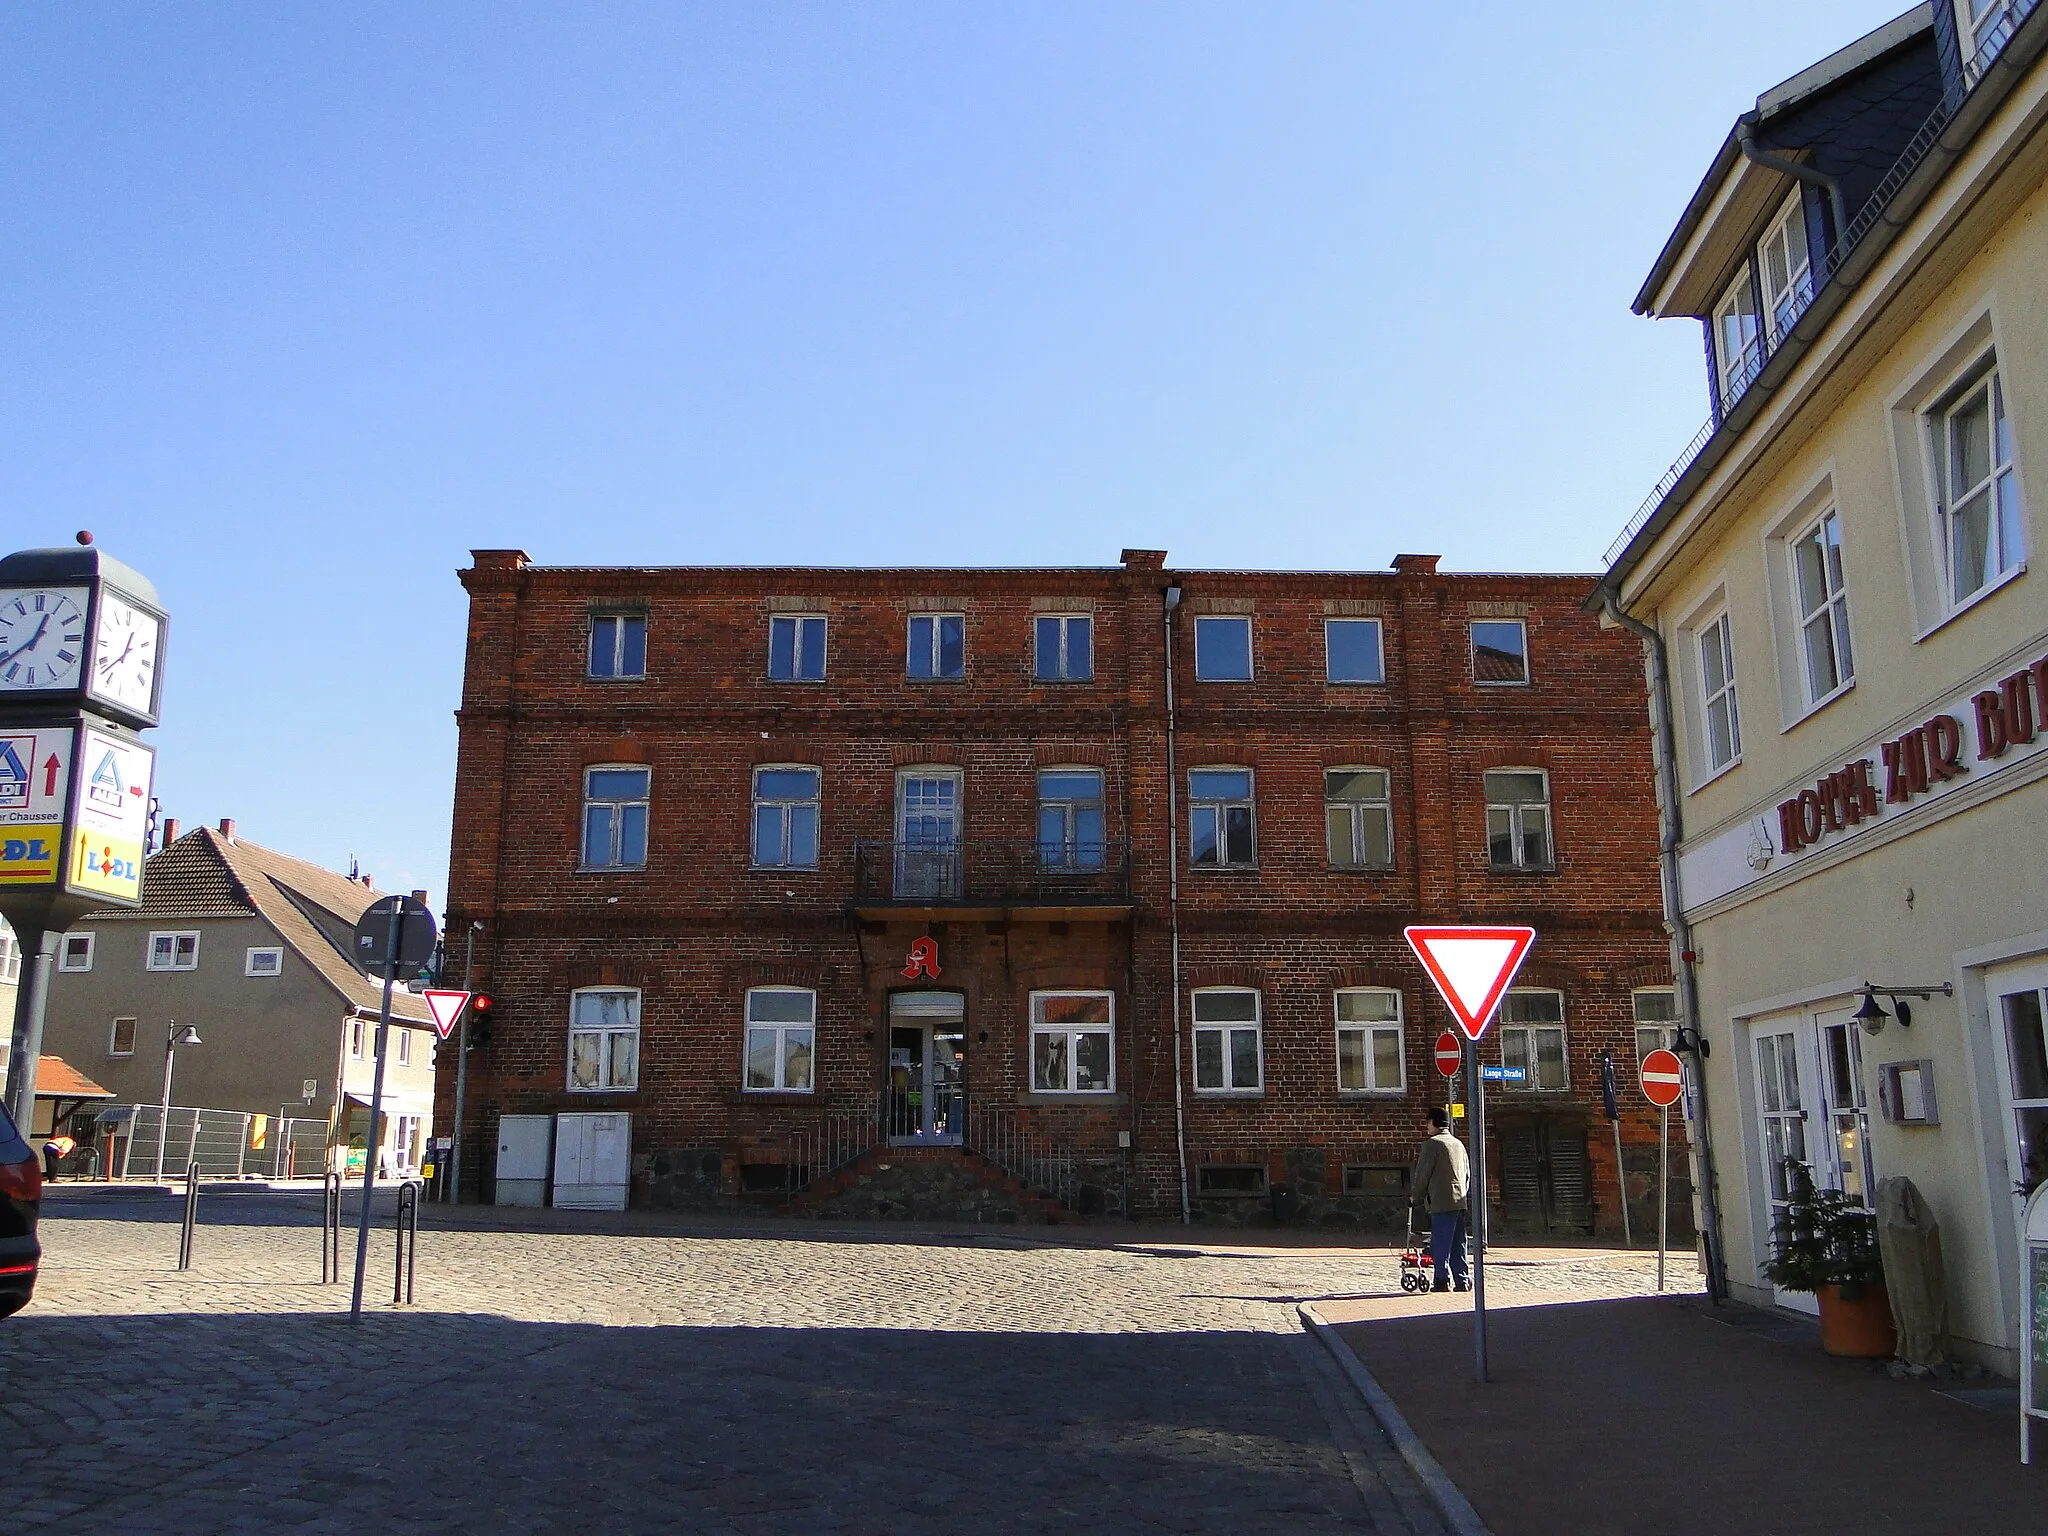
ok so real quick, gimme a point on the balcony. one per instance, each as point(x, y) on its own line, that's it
point(993, 878)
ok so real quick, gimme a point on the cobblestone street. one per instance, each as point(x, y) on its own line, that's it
point(778, 1379)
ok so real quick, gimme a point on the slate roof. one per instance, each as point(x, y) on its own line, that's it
point(314, 910)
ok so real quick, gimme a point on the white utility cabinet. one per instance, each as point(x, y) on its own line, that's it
point(593, 1161)
point(526, 1145)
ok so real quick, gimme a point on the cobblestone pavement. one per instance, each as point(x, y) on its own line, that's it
point(780, 1379)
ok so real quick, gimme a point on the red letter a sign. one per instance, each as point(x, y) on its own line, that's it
point(1471, 968)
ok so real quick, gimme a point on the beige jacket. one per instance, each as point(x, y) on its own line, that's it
point(1442, 1175)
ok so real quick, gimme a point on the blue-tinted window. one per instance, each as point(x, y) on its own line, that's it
point(1223, 650)
point(1065, 648)
point(786, 817)
point(796, 649)
point(618, 645)
point(1354, 651)
point(1070, 818)
point(938, 645)
point(615, 818)
point(1500, 651)
point(1220, 831)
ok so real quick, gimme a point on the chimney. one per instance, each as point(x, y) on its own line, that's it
point(227, 828)
point(1416, 565)
point(420, 897)
point(1143, 559)
point(170, 831)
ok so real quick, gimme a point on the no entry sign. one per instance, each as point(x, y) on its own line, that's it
point(1449, 1054)
point(1663, 1079)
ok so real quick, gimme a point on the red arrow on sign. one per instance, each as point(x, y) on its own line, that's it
point(1450, 1055)
point(446, 1007)
point(50, 775)
point(1663, 1078)
point(1471, 967)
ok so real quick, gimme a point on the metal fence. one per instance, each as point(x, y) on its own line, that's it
point(224, 1143)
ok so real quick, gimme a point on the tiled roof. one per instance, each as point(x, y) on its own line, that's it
point(56, 1078)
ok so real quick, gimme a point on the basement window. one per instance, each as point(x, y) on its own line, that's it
point(1230, 1179)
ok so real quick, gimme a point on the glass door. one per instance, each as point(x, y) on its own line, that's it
point(2021, 1009)
point(926, 1090)
point(928, 836)
point(1847, 1106)
point(1781, 1108)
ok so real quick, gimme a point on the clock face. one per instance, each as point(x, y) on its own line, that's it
point(42, 638)
point(124, 654)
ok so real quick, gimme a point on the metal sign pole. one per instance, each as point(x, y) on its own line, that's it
point(355, 1305)
point(1475, 1196)
point(1663, 1187)
point(1628, 1238)
point(31, 1004)
point(454, 1194)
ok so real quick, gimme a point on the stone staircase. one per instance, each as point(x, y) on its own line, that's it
point(925, 1184)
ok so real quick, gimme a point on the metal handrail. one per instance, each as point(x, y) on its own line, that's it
point(997, 871)
point(843, 1134)
point(1020, 1146)
point(1773, 336)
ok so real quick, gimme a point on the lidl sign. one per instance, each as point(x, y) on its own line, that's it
point(74, 810)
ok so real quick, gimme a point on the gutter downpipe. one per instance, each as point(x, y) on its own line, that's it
point(1745, 138)
point(1664, 745)
point(1180, 1114)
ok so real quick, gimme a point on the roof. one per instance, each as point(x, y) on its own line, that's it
point(314, 910)
point(56, 1078)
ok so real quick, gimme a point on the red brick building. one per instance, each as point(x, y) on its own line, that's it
point(856, 889)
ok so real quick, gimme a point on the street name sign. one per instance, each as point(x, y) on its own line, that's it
point(1663, 1078)
point(446, 1007)
point(1471, 967)
point(1495, 1074)
point(1449, 1054)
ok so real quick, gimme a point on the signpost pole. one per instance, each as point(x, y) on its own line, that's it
point(1475, 1196)
point(30, 1006)
point(1663, 1186)
point(461, 1067)
point(370, 1142)
point(1628, 1238)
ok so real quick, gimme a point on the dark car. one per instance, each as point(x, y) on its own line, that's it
point(21, 1195)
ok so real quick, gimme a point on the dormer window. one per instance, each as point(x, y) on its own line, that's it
point(1986, 27)
point(1784, 269)
point(1738, 338)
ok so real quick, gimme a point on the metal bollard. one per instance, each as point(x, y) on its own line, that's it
point(191, 1217)
point(405, 1224)
point(330, 1229)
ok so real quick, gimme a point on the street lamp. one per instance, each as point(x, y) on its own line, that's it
point(177, 1035)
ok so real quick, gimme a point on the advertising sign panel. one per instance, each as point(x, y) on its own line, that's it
point(110, 817)
point(35, 778)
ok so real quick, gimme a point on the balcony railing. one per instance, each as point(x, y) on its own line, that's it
point(992, 872)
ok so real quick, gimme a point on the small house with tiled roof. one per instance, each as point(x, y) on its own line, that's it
point(252, 947)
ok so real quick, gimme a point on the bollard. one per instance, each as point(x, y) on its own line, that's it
point(405, 1224)
point(191, 1217)
point(330, 1229)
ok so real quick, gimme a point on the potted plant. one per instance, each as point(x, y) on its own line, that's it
point(1825, 1243)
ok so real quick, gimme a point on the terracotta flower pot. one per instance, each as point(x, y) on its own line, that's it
point(1860, 1328)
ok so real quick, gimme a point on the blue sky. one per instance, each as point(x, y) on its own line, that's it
point(302, 303)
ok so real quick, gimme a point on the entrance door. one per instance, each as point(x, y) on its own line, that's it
point(2019, 1012)
point(927, 1084)
point(1781, 1108)
point(1846, 1104)
point(928, 835)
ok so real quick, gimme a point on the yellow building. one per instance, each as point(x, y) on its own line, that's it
point(1851, 655)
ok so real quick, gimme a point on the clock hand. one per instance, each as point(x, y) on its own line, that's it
point(107, 667)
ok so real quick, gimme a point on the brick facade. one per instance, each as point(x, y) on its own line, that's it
point(698, 926)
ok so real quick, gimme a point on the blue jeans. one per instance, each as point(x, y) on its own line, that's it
point(1447, 1247)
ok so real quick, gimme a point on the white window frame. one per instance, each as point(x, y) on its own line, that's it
point(1070, 853)
point(182, 957)
point(1663, 1031)
point(1062, 655)
point(1367, 1033)
point(1979, 36)
point(250, 959)
point(1784, 303)
point(1472, 654)
point(935, 648)
point(1224, 1029)
point(404, 1045)
point(1523, 1034)
point(1515, 810)
point(1379, 654)
point(1353, 813)
point(1218, 809)
point(783, 1033)
point(1251, 660)
point(10, 956)
point(797, 674)
point(1069, 1033)
point(781, 806)
point(1738, 358)
point(615, 845)
point(609, 1079)
point(1828, 618)
point(617, 660)
point(66, 954)
point(114, 1035)
point(1716, 648)
point(355, 1039)
point(2005, 546)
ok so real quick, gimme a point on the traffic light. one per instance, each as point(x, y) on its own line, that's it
point(480, 1010)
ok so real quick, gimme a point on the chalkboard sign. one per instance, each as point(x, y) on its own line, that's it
point(2034, 1325)
point(2037, 1323)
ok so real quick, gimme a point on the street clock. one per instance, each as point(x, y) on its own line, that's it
point(80, 629)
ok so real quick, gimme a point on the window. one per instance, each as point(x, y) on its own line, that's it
point(1369, 1054)
point(786, 818)
point(1518, 818)
point(1358, 818)
point(781, 1031)
point(122, 1041)
point(10, 956)
point(173, 952)
point(1987, 26)
point(618, 645)
point(1977, 498)
point(1386, 1179)
point(76, 952)
point(1823, 608)
point(1220, 818)
point(604, 1039)
point(615, 818)
point(1070, 818)
point(938, 645)
point(1656, 1010)
point(1352, 651)
point(355, 1039)
point(1227, 1054)
point(263, 962)
point(1065, 648)
point(404, 1046)
point(1738, 338)
point(1500, 652)
point(1532, 1038)
point(1222, 1179)
point(1783, 268)
point(1073, 1042)
point(796, 648)
point(1223, 649)
point(1717, 687)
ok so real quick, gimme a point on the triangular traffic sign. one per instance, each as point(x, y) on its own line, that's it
point(1471, 967)
point(446, 1008)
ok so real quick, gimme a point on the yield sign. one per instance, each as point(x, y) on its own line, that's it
point(1450, 1055)
point(1471, 967)
point(446, 1008)
point(1663, 1078)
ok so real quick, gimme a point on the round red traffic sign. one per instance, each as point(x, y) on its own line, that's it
point(1450, 1054)
point(1663, 1079)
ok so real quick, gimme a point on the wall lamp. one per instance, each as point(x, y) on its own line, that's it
point(1871, 1013)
